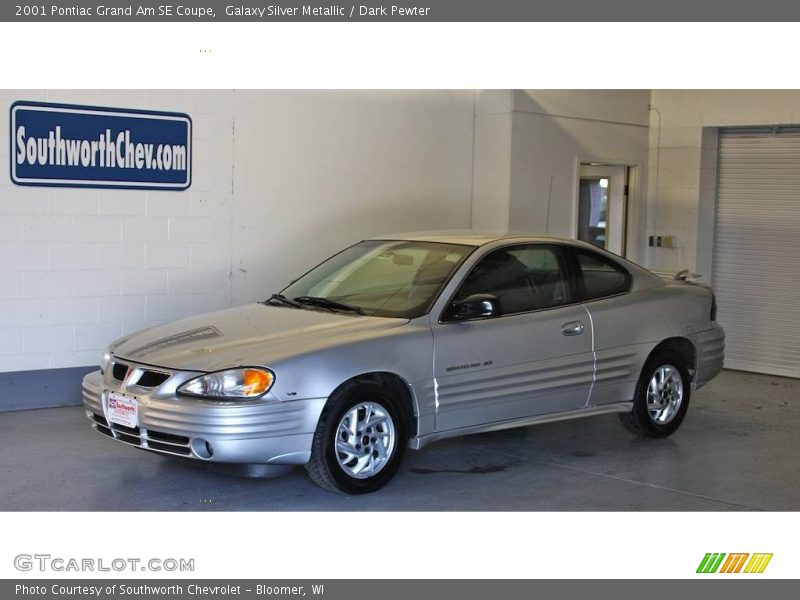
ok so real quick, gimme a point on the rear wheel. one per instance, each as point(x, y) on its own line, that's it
point(360, 440)
point(662, 396)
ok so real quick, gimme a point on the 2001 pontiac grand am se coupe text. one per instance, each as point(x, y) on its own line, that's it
point(409, 339)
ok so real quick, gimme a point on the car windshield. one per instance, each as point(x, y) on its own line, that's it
point(384, 278)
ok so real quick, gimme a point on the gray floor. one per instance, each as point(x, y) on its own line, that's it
point(737, 450)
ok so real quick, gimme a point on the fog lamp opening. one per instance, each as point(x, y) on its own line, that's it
point(202, 448)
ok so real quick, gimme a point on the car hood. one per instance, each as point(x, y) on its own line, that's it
point(255, 334)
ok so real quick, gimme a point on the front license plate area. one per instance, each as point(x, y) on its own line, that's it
point(122, 410)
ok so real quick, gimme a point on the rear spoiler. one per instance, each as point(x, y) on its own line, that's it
point(684, 275)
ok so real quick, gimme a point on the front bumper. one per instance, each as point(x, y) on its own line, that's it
point(250, 432)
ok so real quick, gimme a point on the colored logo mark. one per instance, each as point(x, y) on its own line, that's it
point(719, 562)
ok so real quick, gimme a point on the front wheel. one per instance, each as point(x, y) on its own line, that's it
point(359, 441)
point(662, 396)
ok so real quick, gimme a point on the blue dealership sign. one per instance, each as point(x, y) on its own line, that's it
point(90, 146)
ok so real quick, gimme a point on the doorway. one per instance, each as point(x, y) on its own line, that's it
point(603, 192)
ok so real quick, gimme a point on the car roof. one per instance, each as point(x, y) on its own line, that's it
point(476, 239)
point(469, 237)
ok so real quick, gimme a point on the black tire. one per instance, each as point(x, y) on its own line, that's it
point(639, 420)
point(324, 468)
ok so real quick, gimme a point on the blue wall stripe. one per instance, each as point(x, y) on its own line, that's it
point(46, 388)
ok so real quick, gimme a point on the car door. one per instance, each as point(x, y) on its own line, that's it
point(622, 340)
point(534, 358)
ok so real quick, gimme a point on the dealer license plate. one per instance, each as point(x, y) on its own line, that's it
point(122, 410)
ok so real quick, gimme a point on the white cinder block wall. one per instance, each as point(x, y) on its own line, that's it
point(318, 171)
point(491, 187)
point(683, 152)
point(80, 267)
point(280, 180)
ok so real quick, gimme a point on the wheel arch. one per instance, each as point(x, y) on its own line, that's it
point(394, 383)
point(681, 346)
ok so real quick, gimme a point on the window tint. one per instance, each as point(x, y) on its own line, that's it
point(524, 278)
point(601, 276)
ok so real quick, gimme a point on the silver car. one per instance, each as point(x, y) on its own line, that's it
point(404, 340)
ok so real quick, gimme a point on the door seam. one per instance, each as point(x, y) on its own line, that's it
point(594, 358)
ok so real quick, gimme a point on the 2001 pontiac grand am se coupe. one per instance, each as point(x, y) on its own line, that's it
point(409, 339)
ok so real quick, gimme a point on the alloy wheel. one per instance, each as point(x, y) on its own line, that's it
point(664, 394)
point(365, 440)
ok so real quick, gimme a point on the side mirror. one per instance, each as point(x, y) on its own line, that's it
point(474, 307)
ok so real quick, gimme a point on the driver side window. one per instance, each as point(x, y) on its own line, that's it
point(523, 278)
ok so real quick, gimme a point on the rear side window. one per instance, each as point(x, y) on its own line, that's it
point(601, 276)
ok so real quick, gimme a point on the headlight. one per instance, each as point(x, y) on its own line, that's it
point(105, 360)
point(249, 382)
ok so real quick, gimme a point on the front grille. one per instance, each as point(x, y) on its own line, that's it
point(119, 371)
point(143, 438)
point(146, 378)
point(130, 439)
point(167, 437)
point(128, 430)
point(151, 379)
point(151, 445)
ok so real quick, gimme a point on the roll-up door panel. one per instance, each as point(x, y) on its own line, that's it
point(756, 273)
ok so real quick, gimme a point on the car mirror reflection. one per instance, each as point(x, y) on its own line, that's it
point(475, 306)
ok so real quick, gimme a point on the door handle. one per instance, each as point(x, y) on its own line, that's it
point(572, 328)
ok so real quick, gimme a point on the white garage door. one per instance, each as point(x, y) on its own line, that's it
point(757, 249)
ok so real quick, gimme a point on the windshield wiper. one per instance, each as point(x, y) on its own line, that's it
point(282, 300)
point(327, 303)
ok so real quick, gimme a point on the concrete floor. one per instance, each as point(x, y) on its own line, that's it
point(736, 450)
